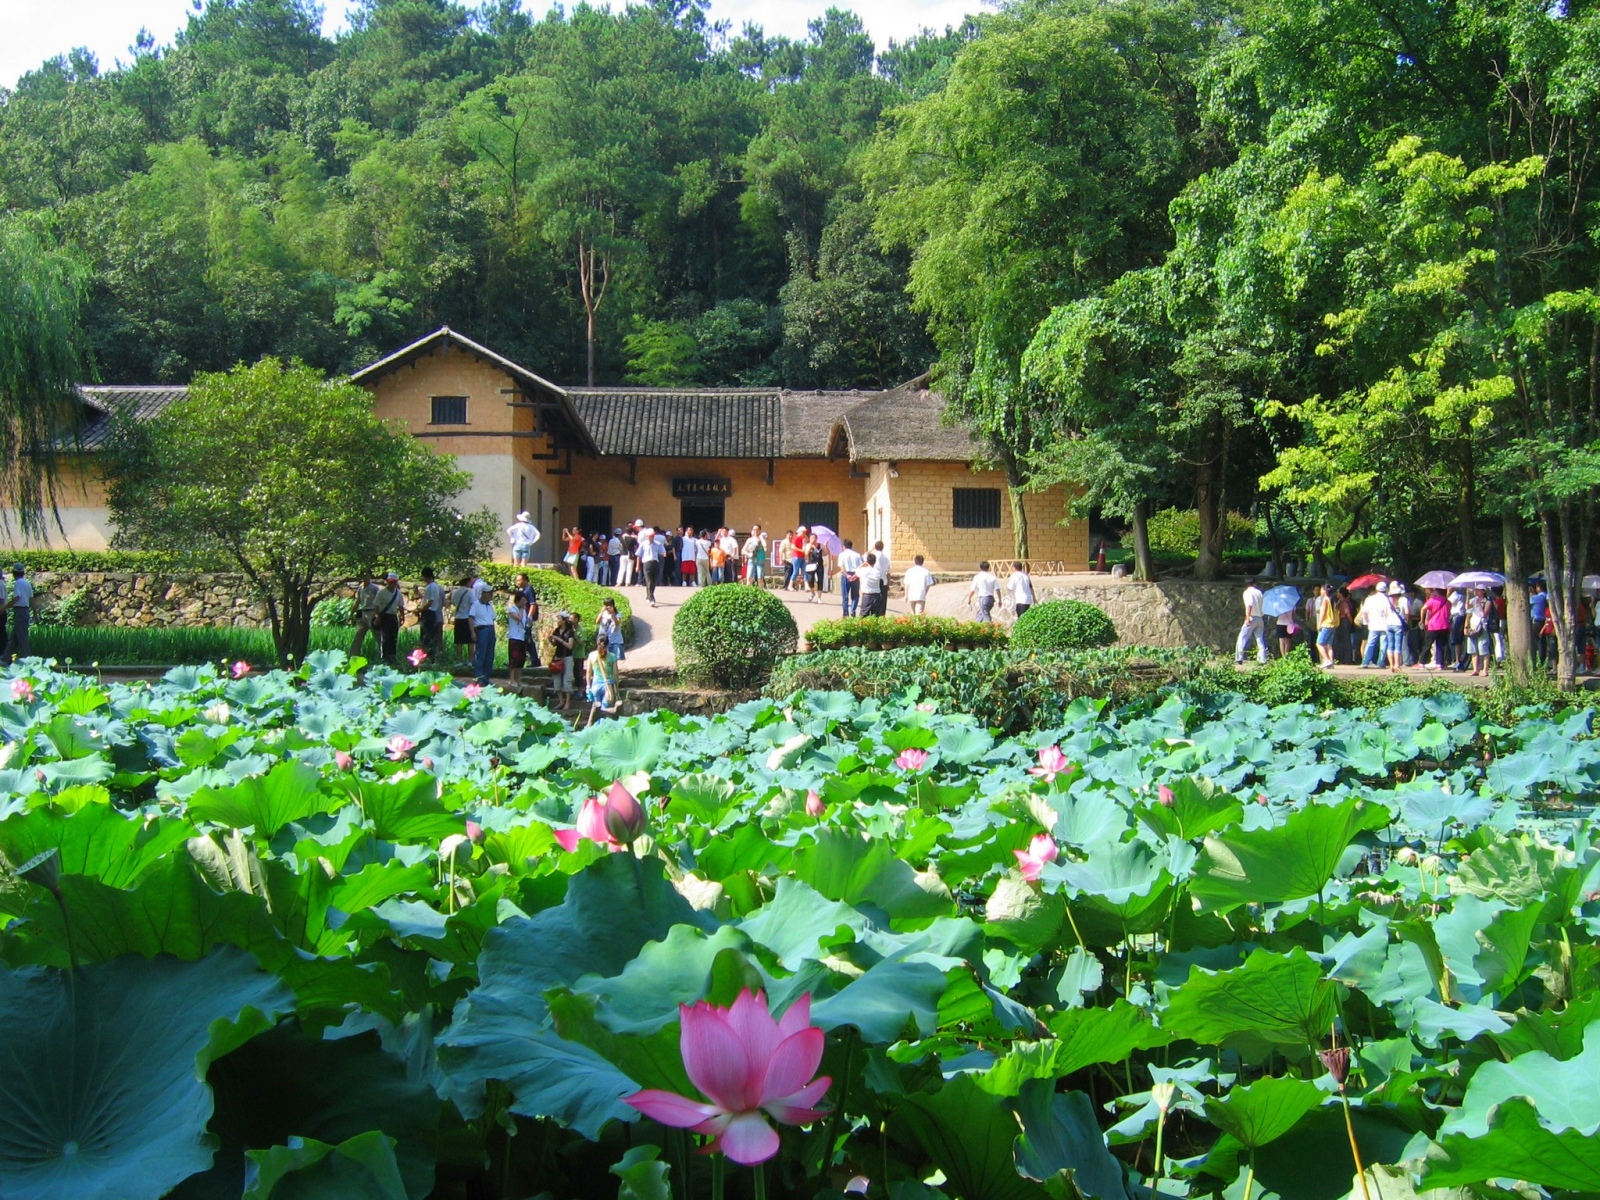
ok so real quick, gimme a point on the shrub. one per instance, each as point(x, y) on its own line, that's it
point(334, 612)
point(1063, 625)
point(70, 609)
point(730, 635)
point(1176, 531)
point(135, 561)
point(887, 633)
point(1006, 689)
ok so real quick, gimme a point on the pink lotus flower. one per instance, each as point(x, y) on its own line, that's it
point(22, 691)
point(474, 833)
point(400, 747)
point(417, 657)
point(241, 669)
point(433, 689)
point(1164, 796)
point(343, 761)
point(814, 805)
point(472, 691)
point(1051, 763)
point(610, 820)
point(749, 1067)
point(1032, 860)
point(426, 762)
point(912, 759)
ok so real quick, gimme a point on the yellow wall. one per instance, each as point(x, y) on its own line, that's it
point(503, 468)
point(775, 507)
point(921, 502)
point(80, 521)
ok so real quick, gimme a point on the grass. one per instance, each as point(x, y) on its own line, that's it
point(116, 645)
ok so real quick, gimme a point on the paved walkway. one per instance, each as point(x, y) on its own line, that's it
point(652, 627)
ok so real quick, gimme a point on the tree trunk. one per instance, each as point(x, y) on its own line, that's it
point(1467, 511)
point(1019, 521)
point(1208, 503)
point(1144, 563)
point(1561, 584)
point(1519, 633)
point(291, 623)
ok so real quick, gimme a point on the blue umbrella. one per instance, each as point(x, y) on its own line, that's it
point(1280, 600)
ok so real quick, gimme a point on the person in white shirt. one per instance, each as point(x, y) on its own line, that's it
point(432, 616)
point(523, 536)
point(1378, 615)
point(755, 556)
point(874, 589)
point(652, 550)
point(516, 639)
point(850, 579)
point(20, 607)
point(985, 587)
point(917, 581)
point(1020, 585)
point(883, 564)
point(1254, 627)
point(482, 617)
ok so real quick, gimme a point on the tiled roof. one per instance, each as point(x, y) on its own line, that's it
point(661, 423)
point(808, 420)
point(905, 423)
point(100, 402)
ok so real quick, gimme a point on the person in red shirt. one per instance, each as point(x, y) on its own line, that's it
point(797, 561)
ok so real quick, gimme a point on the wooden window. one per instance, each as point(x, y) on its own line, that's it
point(449, 410)
point(975, 508)
point(820, 512)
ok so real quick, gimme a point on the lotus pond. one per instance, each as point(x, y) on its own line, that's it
point(300, 935)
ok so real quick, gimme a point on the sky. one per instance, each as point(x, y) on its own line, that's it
point(32, 31)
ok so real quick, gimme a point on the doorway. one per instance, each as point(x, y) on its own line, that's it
point(703, 514)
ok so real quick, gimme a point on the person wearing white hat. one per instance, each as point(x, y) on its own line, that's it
point(523, 536)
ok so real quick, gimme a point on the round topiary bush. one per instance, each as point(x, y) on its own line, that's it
point(731, 634)
point(1063, 625)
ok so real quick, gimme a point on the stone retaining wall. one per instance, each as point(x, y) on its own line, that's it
point(1177, 612)
point(139, 600)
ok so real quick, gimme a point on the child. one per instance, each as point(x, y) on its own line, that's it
point(516, 639)
point(601, 670)
point(610, 624)
point(562, 640)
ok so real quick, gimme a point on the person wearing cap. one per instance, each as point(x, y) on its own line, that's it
point(482, 616)
point(20, 606)
point(523, 536)
point(389, 606)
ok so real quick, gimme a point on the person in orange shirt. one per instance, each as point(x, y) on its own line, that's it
point(719, 561)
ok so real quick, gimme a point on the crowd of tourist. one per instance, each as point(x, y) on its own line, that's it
point(1395, 626)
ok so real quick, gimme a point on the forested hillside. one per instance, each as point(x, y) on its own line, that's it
point(686, 193)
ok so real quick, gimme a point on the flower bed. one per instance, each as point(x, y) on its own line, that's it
point(412, 939)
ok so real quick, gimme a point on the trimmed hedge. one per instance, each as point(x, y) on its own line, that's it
point(557, 592)
point(139, 561)
point(1063, 625)
point(1008, 689)
point(730, 635)
point(888, 633)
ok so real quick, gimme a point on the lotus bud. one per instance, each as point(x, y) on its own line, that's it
point(857, 1186)
point(1164, 796)
point(1162, 1093)
point(814, 805)
point(625, 817)
point(1337, 1061)
point(44, 870)
point(1432, 863)
point(474, 833)
point(343, 760)
point(1405, 855)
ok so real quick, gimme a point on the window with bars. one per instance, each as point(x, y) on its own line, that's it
point(975, 508)
point(820, 512)
point(449, 410)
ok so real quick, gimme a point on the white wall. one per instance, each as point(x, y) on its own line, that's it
point(494, 486)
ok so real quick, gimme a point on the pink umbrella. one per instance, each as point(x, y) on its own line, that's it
point(828, 539)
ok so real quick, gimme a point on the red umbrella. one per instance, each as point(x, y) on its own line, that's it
point(1367, 581)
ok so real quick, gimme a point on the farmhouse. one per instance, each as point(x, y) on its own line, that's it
point(871, 465)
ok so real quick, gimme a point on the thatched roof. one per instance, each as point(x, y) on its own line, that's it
point(907, 422)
